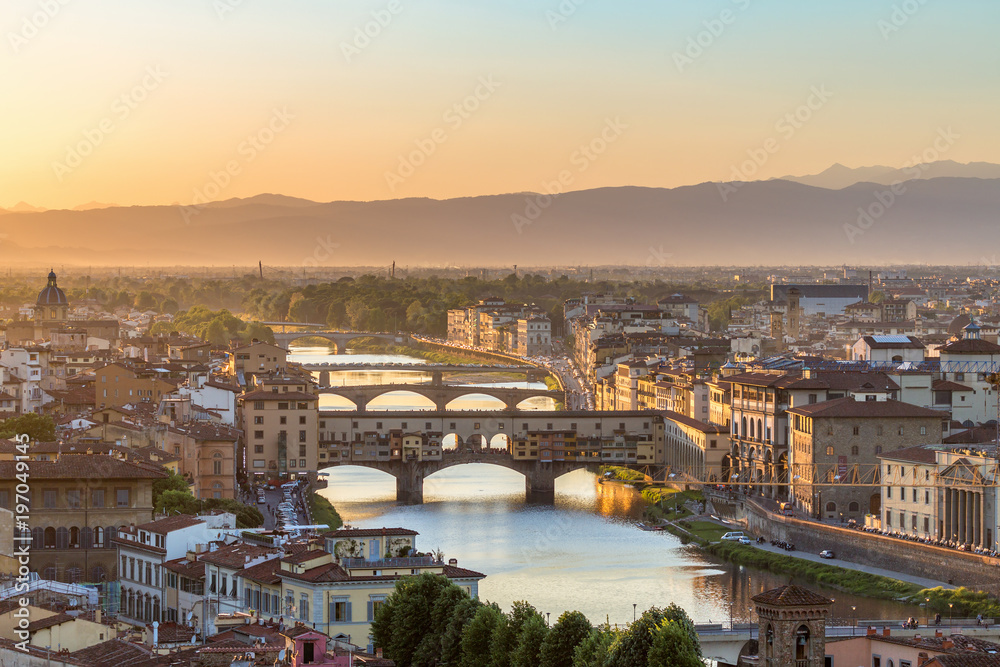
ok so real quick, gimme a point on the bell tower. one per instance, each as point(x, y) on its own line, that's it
point(791, 627)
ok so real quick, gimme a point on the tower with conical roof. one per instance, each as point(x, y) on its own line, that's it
point(792, 627)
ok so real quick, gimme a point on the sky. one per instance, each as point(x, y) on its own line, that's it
point(135, 102)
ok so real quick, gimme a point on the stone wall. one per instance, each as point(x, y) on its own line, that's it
point(912, 558)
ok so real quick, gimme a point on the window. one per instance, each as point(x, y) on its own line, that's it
point(258, 449)
point(302, 450)
point(927, 497)
point(216, 467)
point(854, 450)
point(282, 406)
point(829, 450)
point(73, 498)
point(302, 463)
point(49, 498)
point(259, 419)
point(283, 420)
point(812, 398)
point(923, 430)
point(857, 430)
point(258, 405)
point(304, 607)
point(302, 436)
point(258, 435)
point(122, 496)
point(340, 610)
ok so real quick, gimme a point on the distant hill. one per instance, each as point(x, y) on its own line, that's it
point(838, 176)
point(941, 220)
point(24, 207)
point(90, 206)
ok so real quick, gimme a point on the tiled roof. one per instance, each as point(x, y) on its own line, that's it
point(236, 555)
point(262, 395)
point(970, 346)
point(912, 454)
point(169, 524)
point(112, 652)
point(791, 596)
point(48, 622)
point(848, 407)
point(369, 532)
point(264, 573)
point(88, 466)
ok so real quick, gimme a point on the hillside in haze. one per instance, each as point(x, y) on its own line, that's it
point(838, 176)
point(942, 220)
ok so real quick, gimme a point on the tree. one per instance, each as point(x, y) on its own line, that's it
point(529, 643)
point(631, 648)
point(429, 650)
point(672, 647)
point(477, 635)
point(401, 621)
point(594, 650)
point(507, 632)
point(40, 428)
point(177, 502)
point(451, 641)
point(216, 334)
point(557, 649)
point(172, 482)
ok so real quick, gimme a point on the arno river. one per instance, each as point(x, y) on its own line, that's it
point(584, 552)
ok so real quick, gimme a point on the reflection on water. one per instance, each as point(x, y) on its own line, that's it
point(584, 552)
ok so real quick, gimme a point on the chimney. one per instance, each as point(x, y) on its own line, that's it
point(885, 632)
point(97, 615)
point(947, 644)
point(156, 633)
point(938, 633)
point(872, 632)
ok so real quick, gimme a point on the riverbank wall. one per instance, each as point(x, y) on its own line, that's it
point(494, 357)
point(912, 558)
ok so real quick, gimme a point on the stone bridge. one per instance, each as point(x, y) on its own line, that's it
point(324, 371)
point(340, 339)
point(539, 476)
point(440, 394)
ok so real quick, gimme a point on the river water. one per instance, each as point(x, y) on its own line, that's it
point(582, 553)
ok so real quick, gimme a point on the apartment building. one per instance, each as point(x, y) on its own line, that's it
point(281, 430)
point(839, 441)
point(78, 503)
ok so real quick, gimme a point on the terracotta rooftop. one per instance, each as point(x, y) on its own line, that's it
point(912, 454)
point(848, 407)
point(90, 466)
point(791, 596)
point(369, 532)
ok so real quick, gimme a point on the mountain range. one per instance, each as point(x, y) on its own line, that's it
point(934, 220)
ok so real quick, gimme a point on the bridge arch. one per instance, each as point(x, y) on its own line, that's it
point(379, 400)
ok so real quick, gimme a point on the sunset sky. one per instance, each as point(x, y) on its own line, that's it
point(138, 102)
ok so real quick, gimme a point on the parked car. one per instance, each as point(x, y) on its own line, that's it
point(733, 536)
point(826, 553)
point(745, 540)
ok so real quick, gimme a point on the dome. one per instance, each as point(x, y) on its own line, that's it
point(52, 295)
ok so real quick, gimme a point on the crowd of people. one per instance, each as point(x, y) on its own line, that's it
point(947, 544)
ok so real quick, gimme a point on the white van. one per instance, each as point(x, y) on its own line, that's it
point(733, 536)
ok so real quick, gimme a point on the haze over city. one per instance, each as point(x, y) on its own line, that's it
point(534, 333)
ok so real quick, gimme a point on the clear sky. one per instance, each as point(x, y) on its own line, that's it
point(140, 102)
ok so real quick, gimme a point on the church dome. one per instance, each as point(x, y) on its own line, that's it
point(52, 295)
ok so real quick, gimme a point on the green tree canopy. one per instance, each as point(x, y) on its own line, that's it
point(430, 648)
point(631, 648)
point(478, 634)
point(529, 643)
point(595, 649)
point(568, 632)
point(402, 619)
point(40, 428)
point(451, 641)
point(672, 647)
point(508, 631)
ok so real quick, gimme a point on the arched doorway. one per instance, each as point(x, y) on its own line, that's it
point(875, 504)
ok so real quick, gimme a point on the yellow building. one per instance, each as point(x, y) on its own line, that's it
point(57, 629)
point(117, 384)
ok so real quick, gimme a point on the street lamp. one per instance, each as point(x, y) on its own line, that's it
point(927, 611)
point(634, 605)
point(950, 613)
point(547, 615)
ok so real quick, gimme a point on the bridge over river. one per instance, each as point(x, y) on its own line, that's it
point(440, 394)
